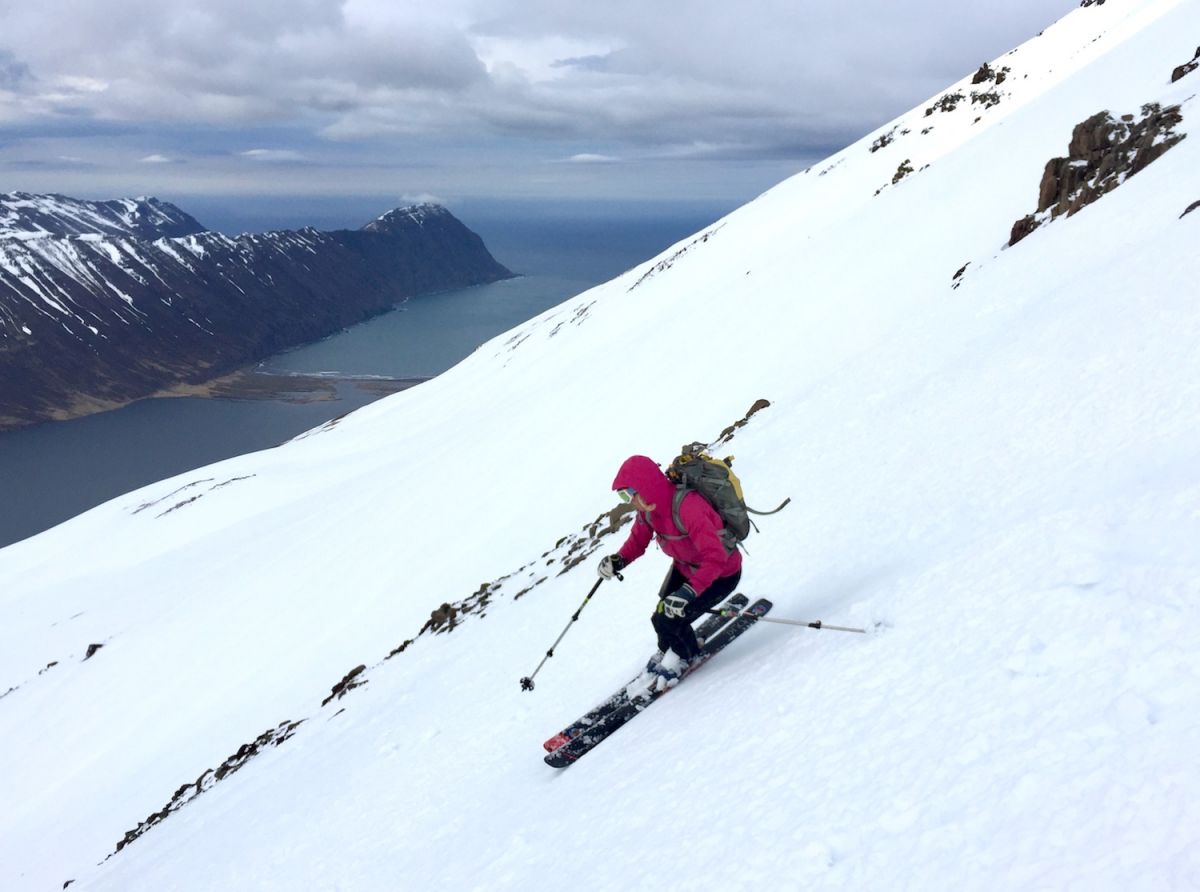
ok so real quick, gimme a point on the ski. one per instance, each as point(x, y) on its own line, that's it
point(622, 707)
point(706, 630)
point(714, 622)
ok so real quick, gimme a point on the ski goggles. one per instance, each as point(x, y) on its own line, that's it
point(626, 495)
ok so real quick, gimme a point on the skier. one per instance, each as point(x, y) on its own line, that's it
point(703, 573)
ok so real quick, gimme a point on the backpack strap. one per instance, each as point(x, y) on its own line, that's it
point(730, 541)
point(680, 493)
point(782, 505)
point(676, 501)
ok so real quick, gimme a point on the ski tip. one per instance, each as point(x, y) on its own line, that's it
point(559, 760)
point(555, 742)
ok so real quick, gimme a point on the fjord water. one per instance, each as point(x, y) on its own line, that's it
point(54, 471)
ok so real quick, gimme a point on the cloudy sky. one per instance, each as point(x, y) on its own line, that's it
point(456, 99)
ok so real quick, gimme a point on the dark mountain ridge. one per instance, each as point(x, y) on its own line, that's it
point(22, 213)
point(102, 303)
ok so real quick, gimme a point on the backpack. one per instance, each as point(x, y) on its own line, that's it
point(694, 470)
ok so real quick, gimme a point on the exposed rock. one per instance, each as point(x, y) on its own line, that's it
point(1103, 153)
point(727, 434)
point(902, 171)
point(986, 73)
point(883, 141)
point(1191, 207)
point(958, 275)
point(399, 649)
point(347, 684)
point(210, 778)
point(1092, 3)
point(664, 265)
point(947, 103)
point(1023, 227)
point(91, 651)
point(987, 99)
point(443, 619)
point(1187, 68)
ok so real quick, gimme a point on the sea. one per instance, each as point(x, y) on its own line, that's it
point(54, 471)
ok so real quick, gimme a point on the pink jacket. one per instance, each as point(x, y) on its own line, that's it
point(701, 555)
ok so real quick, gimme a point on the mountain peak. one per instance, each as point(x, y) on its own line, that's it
point(417, 214)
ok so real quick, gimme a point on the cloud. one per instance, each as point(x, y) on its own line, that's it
point(599, 63)
point(225, 62)
point(421, 198)
point(273, 156)
point(158, 159)
point(13, 73)
point(592, 158)
point(51, 163)
point(391, 83)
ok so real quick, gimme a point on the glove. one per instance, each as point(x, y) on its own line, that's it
point(678, 601)
point(611, 566)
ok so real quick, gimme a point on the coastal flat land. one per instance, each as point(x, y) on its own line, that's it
point(252, 384)
point(244, 384)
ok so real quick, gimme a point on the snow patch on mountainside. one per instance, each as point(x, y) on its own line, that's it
point(27, 216)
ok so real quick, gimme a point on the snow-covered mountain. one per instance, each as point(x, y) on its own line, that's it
point(105, 302)
point(24, 216)
point(298, 669)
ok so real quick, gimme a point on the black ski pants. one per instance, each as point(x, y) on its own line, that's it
point(677, 634)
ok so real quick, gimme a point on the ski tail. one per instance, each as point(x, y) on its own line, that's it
point(747, 618)
point(715, 622)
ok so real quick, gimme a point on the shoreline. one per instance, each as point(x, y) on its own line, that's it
point(253, 384)
point(246, 384)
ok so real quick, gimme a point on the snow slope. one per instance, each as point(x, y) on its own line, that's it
point(999, 479)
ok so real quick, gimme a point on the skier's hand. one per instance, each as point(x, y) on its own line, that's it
point(678, 601)
point(611, 566)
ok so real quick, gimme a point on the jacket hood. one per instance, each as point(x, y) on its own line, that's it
point(643, 475)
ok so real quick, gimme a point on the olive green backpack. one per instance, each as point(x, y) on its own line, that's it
point(694, 470)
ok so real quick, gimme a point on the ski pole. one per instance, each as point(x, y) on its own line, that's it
point(815, 624)
point(527, 681)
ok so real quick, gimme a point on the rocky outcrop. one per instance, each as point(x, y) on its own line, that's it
point(93, 320)
point(1103, 153)
point(987, 74)
point(1186, 68)
point(946, 103)
point(347, 684)
point(210, 778)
